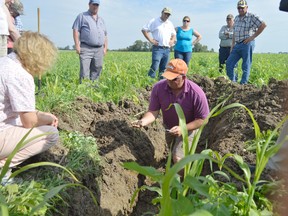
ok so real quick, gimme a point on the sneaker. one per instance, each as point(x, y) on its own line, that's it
point(6, 178)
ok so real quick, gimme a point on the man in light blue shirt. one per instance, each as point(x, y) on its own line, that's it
point(90, 38)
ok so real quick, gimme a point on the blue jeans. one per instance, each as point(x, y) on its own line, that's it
point(245, 52)
point(160, 58)
point(186, 56)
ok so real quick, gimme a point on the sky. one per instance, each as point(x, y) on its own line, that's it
point(124, 20)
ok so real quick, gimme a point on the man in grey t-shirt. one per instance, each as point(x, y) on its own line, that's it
point(90, 38)
point(225, 36)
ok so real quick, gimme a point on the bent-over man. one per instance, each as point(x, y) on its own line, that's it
point(176, 88)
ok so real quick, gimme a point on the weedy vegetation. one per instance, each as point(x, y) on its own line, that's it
point(208, 194)
point(124, 73)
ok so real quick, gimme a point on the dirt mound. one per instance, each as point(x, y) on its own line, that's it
point(119, 142)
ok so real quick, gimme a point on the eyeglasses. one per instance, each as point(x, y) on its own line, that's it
point(186, 20)
point(177, 78)
point(95, 5)
point(241, 8)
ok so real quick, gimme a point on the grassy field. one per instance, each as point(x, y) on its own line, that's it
point(124, 73)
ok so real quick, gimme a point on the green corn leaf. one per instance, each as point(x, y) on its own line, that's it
point(39, 164)
point(4, 210)
point(144, 170)
point(222, 174)
point(54, 191)
point(201, 213)
point(197, 185)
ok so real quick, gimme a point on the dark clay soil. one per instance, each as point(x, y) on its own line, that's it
point(119, 142)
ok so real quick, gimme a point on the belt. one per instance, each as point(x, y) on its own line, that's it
point(95, 46)
point(240, 42)
point(162, 47)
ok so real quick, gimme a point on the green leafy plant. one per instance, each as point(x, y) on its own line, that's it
point(83, 152)
point(34, 198)
point(198, 192)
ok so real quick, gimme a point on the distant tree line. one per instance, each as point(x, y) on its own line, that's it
point(140, 46)
point(145, 46)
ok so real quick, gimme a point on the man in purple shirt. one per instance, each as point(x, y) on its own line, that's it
point(176, 89)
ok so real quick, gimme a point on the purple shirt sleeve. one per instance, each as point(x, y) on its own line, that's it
point(192, 100)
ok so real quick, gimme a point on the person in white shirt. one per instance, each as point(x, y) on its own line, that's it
point(18, 113)
point(163, 38)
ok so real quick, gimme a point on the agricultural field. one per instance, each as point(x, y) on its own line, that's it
point(98, 141)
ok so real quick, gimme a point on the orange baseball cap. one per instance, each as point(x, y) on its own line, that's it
point(175, 68)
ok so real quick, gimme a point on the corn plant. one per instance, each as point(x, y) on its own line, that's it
point(6, 202)
point(197, 192)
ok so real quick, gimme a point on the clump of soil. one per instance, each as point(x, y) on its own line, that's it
point(119, 142)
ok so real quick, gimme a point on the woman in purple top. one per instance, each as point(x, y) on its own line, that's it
point(184, 44)
point(176, 89)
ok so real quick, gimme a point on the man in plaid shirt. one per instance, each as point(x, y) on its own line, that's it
point(247, 27)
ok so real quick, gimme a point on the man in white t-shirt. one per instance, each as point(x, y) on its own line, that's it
point(163, 38)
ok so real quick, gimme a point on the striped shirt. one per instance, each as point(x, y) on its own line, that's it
point(245, 27)
point(18, 24)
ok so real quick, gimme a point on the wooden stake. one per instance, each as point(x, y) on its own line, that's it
point(39, 76)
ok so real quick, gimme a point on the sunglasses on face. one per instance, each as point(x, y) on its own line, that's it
point(95, 5)
point(186, 21)
point(176, 79)
point(241, 8)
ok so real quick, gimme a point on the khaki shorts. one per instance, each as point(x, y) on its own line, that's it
point(3, 45)
point(176, 143)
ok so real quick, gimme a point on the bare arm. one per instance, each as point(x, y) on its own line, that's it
point(197, 123)
point(38, 118)
point(11, 27)
point(76, 40)
point(148, 118)
point(198, 37)
point(258, 32)
point(147, 36)
point(172, 40)
point(105, 45)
